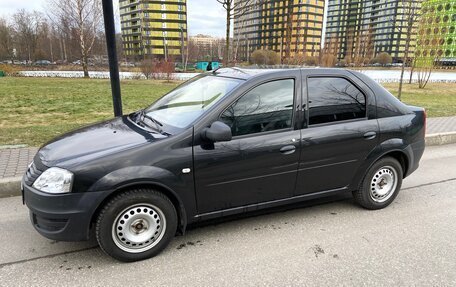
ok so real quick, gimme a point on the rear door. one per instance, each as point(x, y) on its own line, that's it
point(340, 130)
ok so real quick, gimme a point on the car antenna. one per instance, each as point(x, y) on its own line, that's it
point(215, 71)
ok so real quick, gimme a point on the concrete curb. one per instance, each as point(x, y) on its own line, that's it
point(440, 138)
point(12, 186)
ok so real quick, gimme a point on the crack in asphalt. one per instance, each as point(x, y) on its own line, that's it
point(46, 256)
point(2, 265)
point(429, 183)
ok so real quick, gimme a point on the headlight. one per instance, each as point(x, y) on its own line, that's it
point(54, 180)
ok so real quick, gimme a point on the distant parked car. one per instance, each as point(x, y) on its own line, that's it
point(77, 62)
point(226, 142)
point(42, 63)
point(127, 64)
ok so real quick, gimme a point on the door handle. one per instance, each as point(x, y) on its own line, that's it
point(288, 149)
point(370, 135)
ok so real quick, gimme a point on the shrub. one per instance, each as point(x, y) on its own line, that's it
point(384, 59)
point(311, 61)
point(265, 57)
point(328, 60)
point(148, 67)
point(154, 69)
point(9, 70)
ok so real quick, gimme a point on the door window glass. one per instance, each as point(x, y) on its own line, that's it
point(267, 107)
point(334, 99)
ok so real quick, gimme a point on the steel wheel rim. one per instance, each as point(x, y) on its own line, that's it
point(139, 228)
point(383, 184)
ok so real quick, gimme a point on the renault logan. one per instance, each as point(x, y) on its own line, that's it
point(223, 143)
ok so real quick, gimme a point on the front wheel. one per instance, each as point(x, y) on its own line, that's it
point(380, 185)
point(136, 225)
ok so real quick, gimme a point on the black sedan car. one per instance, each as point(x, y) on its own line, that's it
point(223, 143)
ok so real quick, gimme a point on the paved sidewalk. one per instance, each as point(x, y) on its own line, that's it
point(13, 162)
point(441, 125)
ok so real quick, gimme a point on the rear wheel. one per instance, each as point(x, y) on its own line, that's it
point(136, 225)
point(380, 185)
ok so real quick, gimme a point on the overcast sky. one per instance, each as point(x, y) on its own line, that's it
point(204, 16)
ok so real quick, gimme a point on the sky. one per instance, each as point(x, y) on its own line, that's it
point(204, 16)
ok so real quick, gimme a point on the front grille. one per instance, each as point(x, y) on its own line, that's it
point(32, 174)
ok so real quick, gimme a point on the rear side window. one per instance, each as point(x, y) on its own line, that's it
point(266, 107)
point(334, 99)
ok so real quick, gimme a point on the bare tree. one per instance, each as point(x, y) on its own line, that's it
point(27, 25)
point(243, 21)
point(412, 69)
point(424, 74)
point(148, 67)
point(233, 10)
point(6, 40)
point(84, 18)
point(186, 53)
point(427, 57)
point(407, 19)
point(328, 54)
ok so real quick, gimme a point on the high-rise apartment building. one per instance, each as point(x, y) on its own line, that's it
point(366, 28)
point(436, 42)
point(153, 28)
point(288, 27)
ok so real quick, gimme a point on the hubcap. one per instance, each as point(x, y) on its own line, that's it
point(383, 184)
point(138, 228)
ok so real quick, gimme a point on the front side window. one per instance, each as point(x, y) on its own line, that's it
point(186, 103)
point(334, 99)
point(265, 108)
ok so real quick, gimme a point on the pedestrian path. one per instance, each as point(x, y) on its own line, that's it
point(441, 125)
point(14, 161)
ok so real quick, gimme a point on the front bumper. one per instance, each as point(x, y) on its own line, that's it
point(63, 217)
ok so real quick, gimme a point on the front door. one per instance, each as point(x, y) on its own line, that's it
point(260, 163)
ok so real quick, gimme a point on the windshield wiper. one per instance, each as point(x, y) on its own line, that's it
point(142, 115)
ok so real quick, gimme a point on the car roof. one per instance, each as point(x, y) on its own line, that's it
point(248, 73)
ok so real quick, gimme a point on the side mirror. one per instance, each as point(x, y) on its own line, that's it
point(218, 132)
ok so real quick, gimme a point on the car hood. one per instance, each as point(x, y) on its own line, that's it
point(94, 141)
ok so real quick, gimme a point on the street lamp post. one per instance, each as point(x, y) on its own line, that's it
point(110, 31)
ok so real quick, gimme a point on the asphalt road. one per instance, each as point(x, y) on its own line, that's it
point(410, 243)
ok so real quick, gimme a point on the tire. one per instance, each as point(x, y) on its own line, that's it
point(136, 225)
point(380, 185)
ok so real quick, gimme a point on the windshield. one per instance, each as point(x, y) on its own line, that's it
point(186, 103)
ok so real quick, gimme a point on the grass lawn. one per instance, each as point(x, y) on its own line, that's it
point(34, 110)
point(439, 99)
